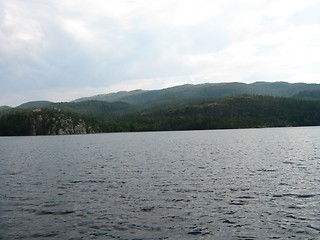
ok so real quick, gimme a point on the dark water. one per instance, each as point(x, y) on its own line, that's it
point(232, 184)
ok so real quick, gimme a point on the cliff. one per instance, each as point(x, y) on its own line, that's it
point(45, 122)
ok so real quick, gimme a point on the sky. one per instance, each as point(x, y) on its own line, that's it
point(61, 50)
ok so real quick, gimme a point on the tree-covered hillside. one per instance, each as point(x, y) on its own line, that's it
point(312, 94)
point(187, 107)
point(189, 92)
point(243, 111)
point(43, 121)
point(98, 110)
point(35, 104)
point(3, 108)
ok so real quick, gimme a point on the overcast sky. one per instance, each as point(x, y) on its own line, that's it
point(60, 50)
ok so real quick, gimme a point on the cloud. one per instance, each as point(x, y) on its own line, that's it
point(308, 15)
point(63, 49)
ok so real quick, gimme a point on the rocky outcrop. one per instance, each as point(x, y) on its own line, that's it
point(55, 122)
point(45, 121)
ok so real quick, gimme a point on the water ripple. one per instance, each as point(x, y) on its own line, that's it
point(239, 184)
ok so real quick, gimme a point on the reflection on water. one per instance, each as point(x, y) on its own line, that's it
point(230, 184)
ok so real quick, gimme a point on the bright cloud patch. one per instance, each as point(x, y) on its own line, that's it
point(61, 50)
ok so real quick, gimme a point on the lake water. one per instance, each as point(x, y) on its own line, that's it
point(226, 184)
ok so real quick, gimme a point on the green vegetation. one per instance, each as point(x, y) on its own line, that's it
point(35, 104)
point(2, 108)
point(36, 121)
point(189, 92)
point(187, 107)
point(315, 94)
point(245, 111)
point(97, 109)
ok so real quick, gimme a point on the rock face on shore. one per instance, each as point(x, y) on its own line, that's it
point(59, 123)
point(45, 122)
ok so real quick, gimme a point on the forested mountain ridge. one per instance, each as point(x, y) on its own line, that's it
point(240, 111)
point(2, 108)
point(186, 107)
point(35, 104)
point(99, 110)
point(191, 92)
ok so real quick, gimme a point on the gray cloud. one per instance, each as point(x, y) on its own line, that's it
point(62, 50)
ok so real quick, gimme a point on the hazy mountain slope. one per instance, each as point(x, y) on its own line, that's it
point(312, 94)
point(282, 89)
point(35, 104)
point(237, 111)
point(2, 108)
point(98, 110)
point(203, 91)
point(186, 107)
point(244, 111)
point(177, 93)
point(110, 97)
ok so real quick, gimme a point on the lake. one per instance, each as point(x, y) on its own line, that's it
point(222, 184)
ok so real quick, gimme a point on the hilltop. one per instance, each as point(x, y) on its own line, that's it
point(190, 92)
point(35, 104)
point(186, 107)
point(238, 111)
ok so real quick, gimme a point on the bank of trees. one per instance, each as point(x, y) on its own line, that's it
point(242, 111)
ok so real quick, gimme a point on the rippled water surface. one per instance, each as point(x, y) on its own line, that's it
point(230, 184)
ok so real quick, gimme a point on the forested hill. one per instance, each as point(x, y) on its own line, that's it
point(2, 108)
point(190, 92)
point(35, 104)
point(187, 107)
point(244, 111)
point(239, 111)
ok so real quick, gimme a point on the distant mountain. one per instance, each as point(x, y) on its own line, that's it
point(98, 110)
point(185, 107)
point(2, 108)
point(35, 104)
point(314, 94)
point(240, 111)
point(111, 97)
point(189, 92)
